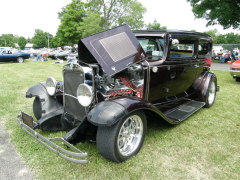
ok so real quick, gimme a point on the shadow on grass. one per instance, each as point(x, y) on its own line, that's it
point(157, 125)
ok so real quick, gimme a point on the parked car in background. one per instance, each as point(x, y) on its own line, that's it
point(44, 53)
point(13, 55)
point(62, 55)
point(121, 79)
point(235, 70)
point(52, 54)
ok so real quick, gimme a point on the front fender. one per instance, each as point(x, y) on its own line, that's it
point(107, 113)
point(46, 108)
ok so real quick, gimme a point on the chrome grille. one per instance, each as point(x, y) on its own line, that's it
point(72, 79)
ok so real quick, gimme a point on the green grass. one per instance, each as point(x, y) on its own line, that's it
point(205, 146)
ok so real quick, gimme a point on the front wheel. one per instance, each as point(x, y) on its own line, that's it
point(20, 60)
point(211, 93)
point(124, 139)
point(37, 108)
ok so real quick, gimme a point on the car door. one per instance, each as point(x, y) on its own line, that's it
point(6, 55)
point(172, 76)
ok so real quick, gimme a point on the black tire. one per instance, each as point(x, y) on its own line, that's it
point(238, 79)
point(20, 60)
point(211, 93)
point(37, 108)
point(113, 142)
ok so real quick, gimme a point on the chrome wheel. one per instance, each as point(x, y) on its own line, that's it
point(124, 139)
point(130, 135)
point(212, 93)
point(210, 96)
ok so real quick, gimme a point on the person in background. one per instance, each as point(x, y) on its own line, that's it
point(38, 57)
point(233, 56)
point(213, 54)
point(220, 54)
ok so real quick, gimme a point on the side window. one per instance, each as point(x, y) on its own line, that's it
point(183, 48)
point(153, 47)
point(204, 48)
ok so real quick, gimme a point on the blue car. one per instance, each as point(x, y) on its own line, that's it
point(13, 55)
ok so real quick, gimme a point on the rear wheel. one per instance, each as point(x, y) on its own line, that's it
point(211, 93)
point(20, 60)
point(124, 139)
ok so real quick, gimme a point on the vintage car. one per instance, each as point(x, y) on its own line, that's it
point(52, 54)
point(122, 78)
point(62, 55)
point(13, 55)
point(235, 70)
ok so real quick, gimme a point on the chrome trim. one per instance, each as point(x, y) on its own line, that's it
point(75, 155)
point(138, 34)
point(70, 95)
point(235, 73)
point(147, 80)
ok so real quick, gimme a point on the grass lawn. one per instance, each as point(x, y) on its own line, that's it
point(205, 146)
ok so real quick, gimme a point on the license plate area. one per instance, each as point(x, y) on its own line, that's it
point(28, 119)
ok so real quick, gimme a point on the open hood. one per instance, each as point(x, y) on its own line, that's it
point(113, 49)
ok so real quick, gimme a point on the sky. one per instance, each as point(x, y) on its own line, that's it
point(22, 17)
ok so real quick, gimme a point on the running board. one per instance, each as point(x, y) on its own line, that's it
point(181, 112)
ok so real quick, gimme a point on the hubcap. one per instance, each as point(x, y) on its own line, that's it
point(20, 60)
point(130, 135)
point(212, 93)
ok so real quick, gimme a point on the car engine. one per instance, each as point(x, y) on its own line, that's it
point(128, 82)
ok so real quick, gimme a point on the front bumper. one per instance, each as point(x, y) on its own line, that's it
point(234, 73)
point(27, 124)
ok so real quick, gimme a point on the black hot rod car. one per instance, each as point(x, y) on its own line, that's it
point(122, 77)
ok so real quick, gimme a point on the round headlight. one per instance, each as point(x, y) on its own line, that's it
point(84, 94)
point(51, 84)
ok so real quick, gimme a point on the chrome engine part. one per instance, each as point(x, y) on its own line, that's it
point(128, 82)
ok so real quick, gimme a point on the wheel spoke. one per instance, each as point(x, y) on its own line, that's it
point(130, 135)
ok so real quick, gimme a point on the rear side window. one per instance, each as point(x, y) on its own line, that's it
point(204, 47)
point(182, 47)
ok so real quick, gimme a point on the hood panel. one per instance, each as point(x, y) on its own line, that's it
point(114, 49)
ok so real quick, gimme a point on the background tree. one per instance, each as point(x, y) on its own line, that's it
point(22, 42)
point(40, 38)
point(70, 18)
point(80, 19)
point(8, 40)
point(155, 25)
point(119, 12)
point(91, 24)
point(213, 33)
point(229, 38)
point(223, 12)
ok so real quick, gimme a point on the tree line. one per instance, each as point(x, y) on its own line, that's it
point(79, 19)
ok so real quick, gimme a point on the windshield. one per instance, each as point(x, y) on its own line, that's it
point(153, 47)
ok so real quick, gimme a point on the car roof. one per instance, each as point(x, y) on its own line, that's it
point(167, 31)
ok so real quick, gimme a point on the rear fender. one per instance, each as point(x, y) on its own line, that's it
point(107, 113)
point(47, 109)
point(202, 82)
